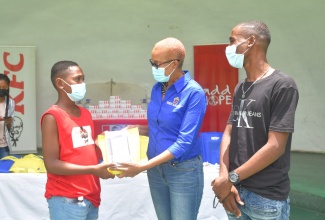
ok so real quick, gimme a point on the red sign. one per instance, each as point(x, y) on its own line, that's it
point(218, 79)
point(11, 71)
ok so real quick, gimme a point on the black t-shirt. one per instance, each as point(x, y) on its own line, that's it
point(269, 105)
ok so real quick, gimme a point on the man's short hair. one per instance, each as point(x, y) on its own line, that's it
point(257, 28)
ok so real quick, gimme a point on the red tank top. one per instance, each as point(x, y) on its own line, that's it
point(76, 140)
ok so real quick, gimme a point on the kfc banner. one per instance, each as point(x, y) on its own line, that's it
point(218, 79)
point(18, 63)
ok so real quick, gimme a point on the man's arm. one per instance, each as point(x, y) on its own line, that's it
point(230, 196)
point(221, 185)
point(224, 151)
point(270, 152)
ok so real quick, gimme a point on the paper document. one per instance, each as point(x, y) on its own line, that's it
point(120, 146)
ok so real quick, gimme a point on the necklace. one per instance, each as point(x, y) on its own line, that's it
point(242, 86)
point(164, 87)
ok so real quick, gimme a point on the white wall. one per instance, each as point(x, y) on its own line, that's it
point(113, 39)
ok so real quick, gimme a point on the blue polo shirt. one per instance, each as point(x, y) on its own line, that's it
point(174, 122)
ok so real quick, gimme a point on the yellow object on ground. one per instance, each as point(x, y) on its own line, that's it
point(30, 163)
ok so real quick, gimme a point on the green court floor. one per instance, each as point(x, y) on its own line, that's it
point(307, 186)
point(298, 213)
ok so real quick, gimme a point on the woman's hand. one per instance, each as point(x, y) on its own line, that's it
point(128, 169)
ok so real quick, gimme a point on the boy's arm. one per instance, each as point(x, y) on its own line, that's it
point(51, 154)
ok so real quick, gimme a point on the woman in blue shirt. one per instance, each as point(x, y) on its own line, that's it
point(175, 115)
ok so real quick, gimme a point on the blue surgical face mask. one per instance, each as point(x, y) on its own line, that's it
point(159, 74)
point(235, 60)
point(78, 91)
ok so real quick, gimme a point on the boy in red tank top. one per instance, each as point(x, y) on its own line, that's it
point(73, 187)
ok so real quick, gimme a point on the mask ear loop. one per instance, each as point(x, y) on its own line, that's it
point(247, 50)
point(169, 64)
point(67, 84)
point(173, 70)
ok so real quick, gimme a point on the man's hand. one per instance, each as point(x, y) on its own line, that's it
point(229, 203)
point(221, 187)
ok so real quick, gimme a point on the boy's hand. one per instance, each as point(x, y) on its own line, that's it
point(101, 170)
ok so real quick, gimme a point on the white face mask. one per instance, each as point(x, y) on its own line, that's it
point(78, 91)
point(235, 60)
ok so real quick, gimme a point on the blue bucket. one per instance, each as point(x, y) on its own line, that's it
point(210, 143)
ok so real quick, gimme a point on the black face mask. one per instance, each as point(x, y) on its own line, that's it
point(4, 92)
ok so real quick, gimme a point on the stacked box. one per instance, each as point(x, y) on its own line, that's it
point(117, 108)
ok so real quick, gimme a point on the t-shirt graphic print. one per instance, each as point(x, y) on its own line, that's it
point(81, 136)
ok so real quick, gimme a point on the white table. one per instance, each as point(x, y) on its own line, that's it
point(22, 197)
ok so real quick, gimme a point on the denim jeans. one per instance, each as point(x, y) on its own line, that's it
point(4, 151)
point(176, 189)
point(66, 208)
point(260, 208)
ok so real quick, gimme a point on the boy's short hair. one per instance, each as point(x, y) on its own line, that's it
point(5, 78)
point(60, 68)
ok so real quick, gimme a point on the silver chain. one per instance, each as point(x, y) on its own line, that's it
point(242, 86)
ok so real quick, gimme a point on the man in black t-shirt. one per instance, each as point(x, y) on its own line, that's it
point(255, 148)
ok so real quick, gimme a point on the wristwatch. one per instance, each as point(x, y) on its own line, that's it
point(233, 177)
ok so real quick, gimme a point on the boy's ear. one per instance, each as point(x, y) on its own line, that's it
point(59, 83)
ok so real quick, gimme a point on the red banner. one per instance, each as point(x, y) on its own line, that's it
point(218, 79)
